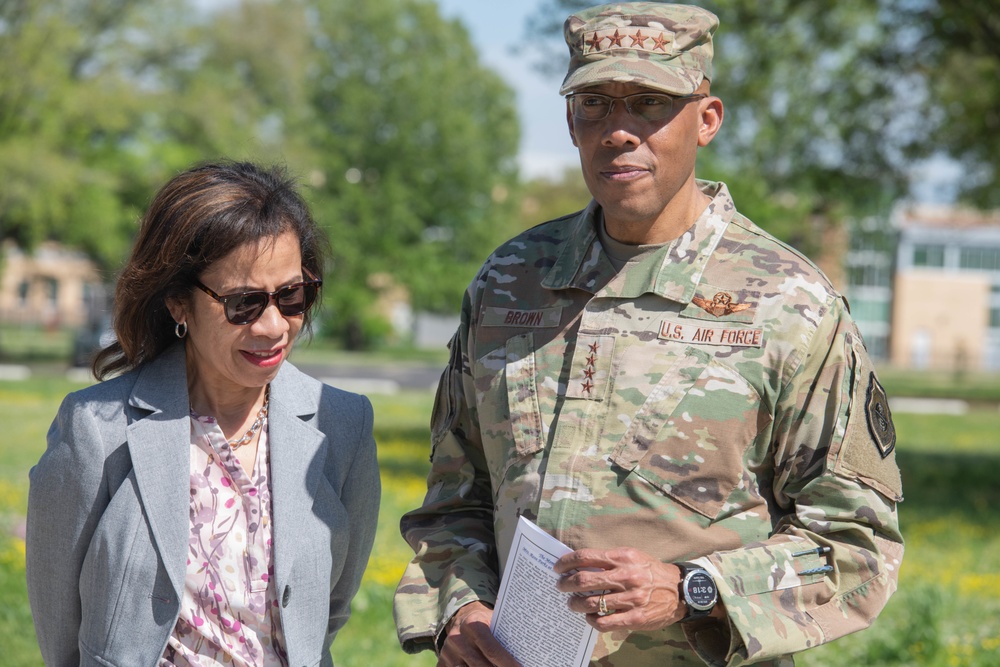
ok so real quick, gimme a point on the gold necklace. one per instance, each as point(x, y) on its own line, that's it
point(257, 423)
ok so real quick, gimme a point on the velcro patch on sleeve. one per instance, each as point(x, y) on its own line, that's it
point(869, 450)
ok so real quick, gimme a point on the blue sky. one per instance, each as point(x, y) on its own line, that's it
point(496, 29)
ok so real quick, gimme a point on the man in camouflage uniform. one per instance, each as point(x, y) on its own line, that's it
point(655, 380)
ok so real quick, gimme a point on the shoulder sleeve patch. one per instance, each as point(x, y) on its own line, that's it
point(869, 450)
point(879, 417)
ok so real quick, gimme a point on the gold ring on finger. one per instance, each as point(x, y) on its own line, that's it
point(602, 607)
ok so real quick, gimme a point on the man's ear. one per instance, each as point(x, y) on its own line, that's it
point(569, 122)
point(712, 112)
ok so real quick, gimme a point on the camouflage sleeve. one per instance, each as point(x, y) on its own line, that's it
point(832, 562)
point(455, 560)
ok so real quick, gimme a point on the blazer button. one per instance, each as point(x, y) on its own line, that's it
point(286, 595)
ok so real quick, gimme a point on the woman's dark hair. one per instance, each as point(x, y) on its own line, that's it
point(197, 218)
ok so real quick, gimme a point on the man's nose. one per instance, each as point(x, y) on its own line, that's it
point(620, 126)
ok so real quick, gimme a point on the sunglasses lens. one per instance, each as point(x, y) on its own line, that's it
point(248, 307)
point(245, 308)
point(296, 300)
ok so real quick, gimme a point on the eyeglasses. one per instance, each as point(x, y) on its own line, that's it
point(247, 307)
point(649, 107)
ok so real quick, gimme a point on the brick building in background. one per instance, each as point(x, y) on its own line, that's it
point(53, 287)
point(946, 290)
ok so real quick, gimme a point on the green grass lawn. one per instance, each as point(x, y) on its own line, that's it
point(946, 613)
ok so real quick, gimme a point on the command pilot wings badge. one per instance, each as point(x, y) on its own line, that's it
point(721, 304)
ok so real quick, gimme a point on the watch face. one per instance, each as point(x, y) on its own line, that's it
point(699, 590)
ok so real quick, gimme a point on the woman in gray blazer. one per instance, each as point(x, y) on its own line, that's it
point(207, 503)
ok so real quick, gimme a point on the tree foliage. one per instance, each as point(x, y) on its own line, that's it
point(958, 52)
point(829, 106)
point(546, 198)
point(403, 141)
point(64, 111)
point(419, 152)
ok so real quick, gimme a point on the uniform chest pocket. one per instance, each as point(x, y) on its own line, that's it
point(695, 420)
point(510, 419)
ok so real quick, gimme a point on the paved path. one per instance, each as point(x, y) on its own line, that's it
point(376, 379)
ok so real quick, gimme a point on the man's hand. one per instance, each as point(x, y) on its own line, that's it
point(469, 642)
point(642, 592)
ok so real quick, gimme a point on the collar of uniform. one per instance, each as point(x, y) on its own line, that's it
point(580, 263)
point(673, 272)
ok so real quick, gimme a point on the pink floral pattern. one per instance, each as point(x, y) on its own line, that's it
point(229, 613)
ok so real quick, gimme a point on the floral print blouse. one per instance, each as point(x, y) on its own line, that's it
point(229, 612)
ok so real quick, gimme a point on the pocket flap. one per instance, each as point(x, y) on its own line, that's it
point(690, 436)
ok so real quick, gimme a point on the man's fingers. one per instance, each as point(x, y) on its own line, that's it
point(599, 559)
point(494, 653)
point(626, 619)
point(471, 643)
point(613, 603)
point(584, 558)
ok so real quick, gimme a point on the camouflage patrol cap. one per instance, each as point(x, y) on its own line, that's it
point(667, 47)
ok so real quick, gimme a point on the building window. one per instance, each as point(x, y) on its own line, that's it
point(994, 318)
point(869, 275)
point(23, 288)
point(52, 292)
point(926, 254)
point(870, 311)
point(877, 346)
point(980, 259)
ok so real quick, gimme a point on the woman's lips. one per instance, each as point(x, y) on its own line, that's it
point(264, 359)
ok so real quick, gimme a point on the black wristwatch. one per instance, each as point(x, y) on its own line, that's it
point(698, 591)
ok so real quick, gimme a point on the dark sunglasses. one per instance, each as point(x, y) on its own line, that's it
point(247, 307)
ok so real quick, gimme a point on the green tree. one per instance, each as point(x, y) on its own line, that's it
point(546, 199)
point(65, 110)
point(404, 141)
point(418, 142)
point(957, 52)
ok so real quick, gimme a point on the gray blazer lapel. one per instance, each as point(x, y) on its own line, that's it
point(159, 446)
point(297, 454)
